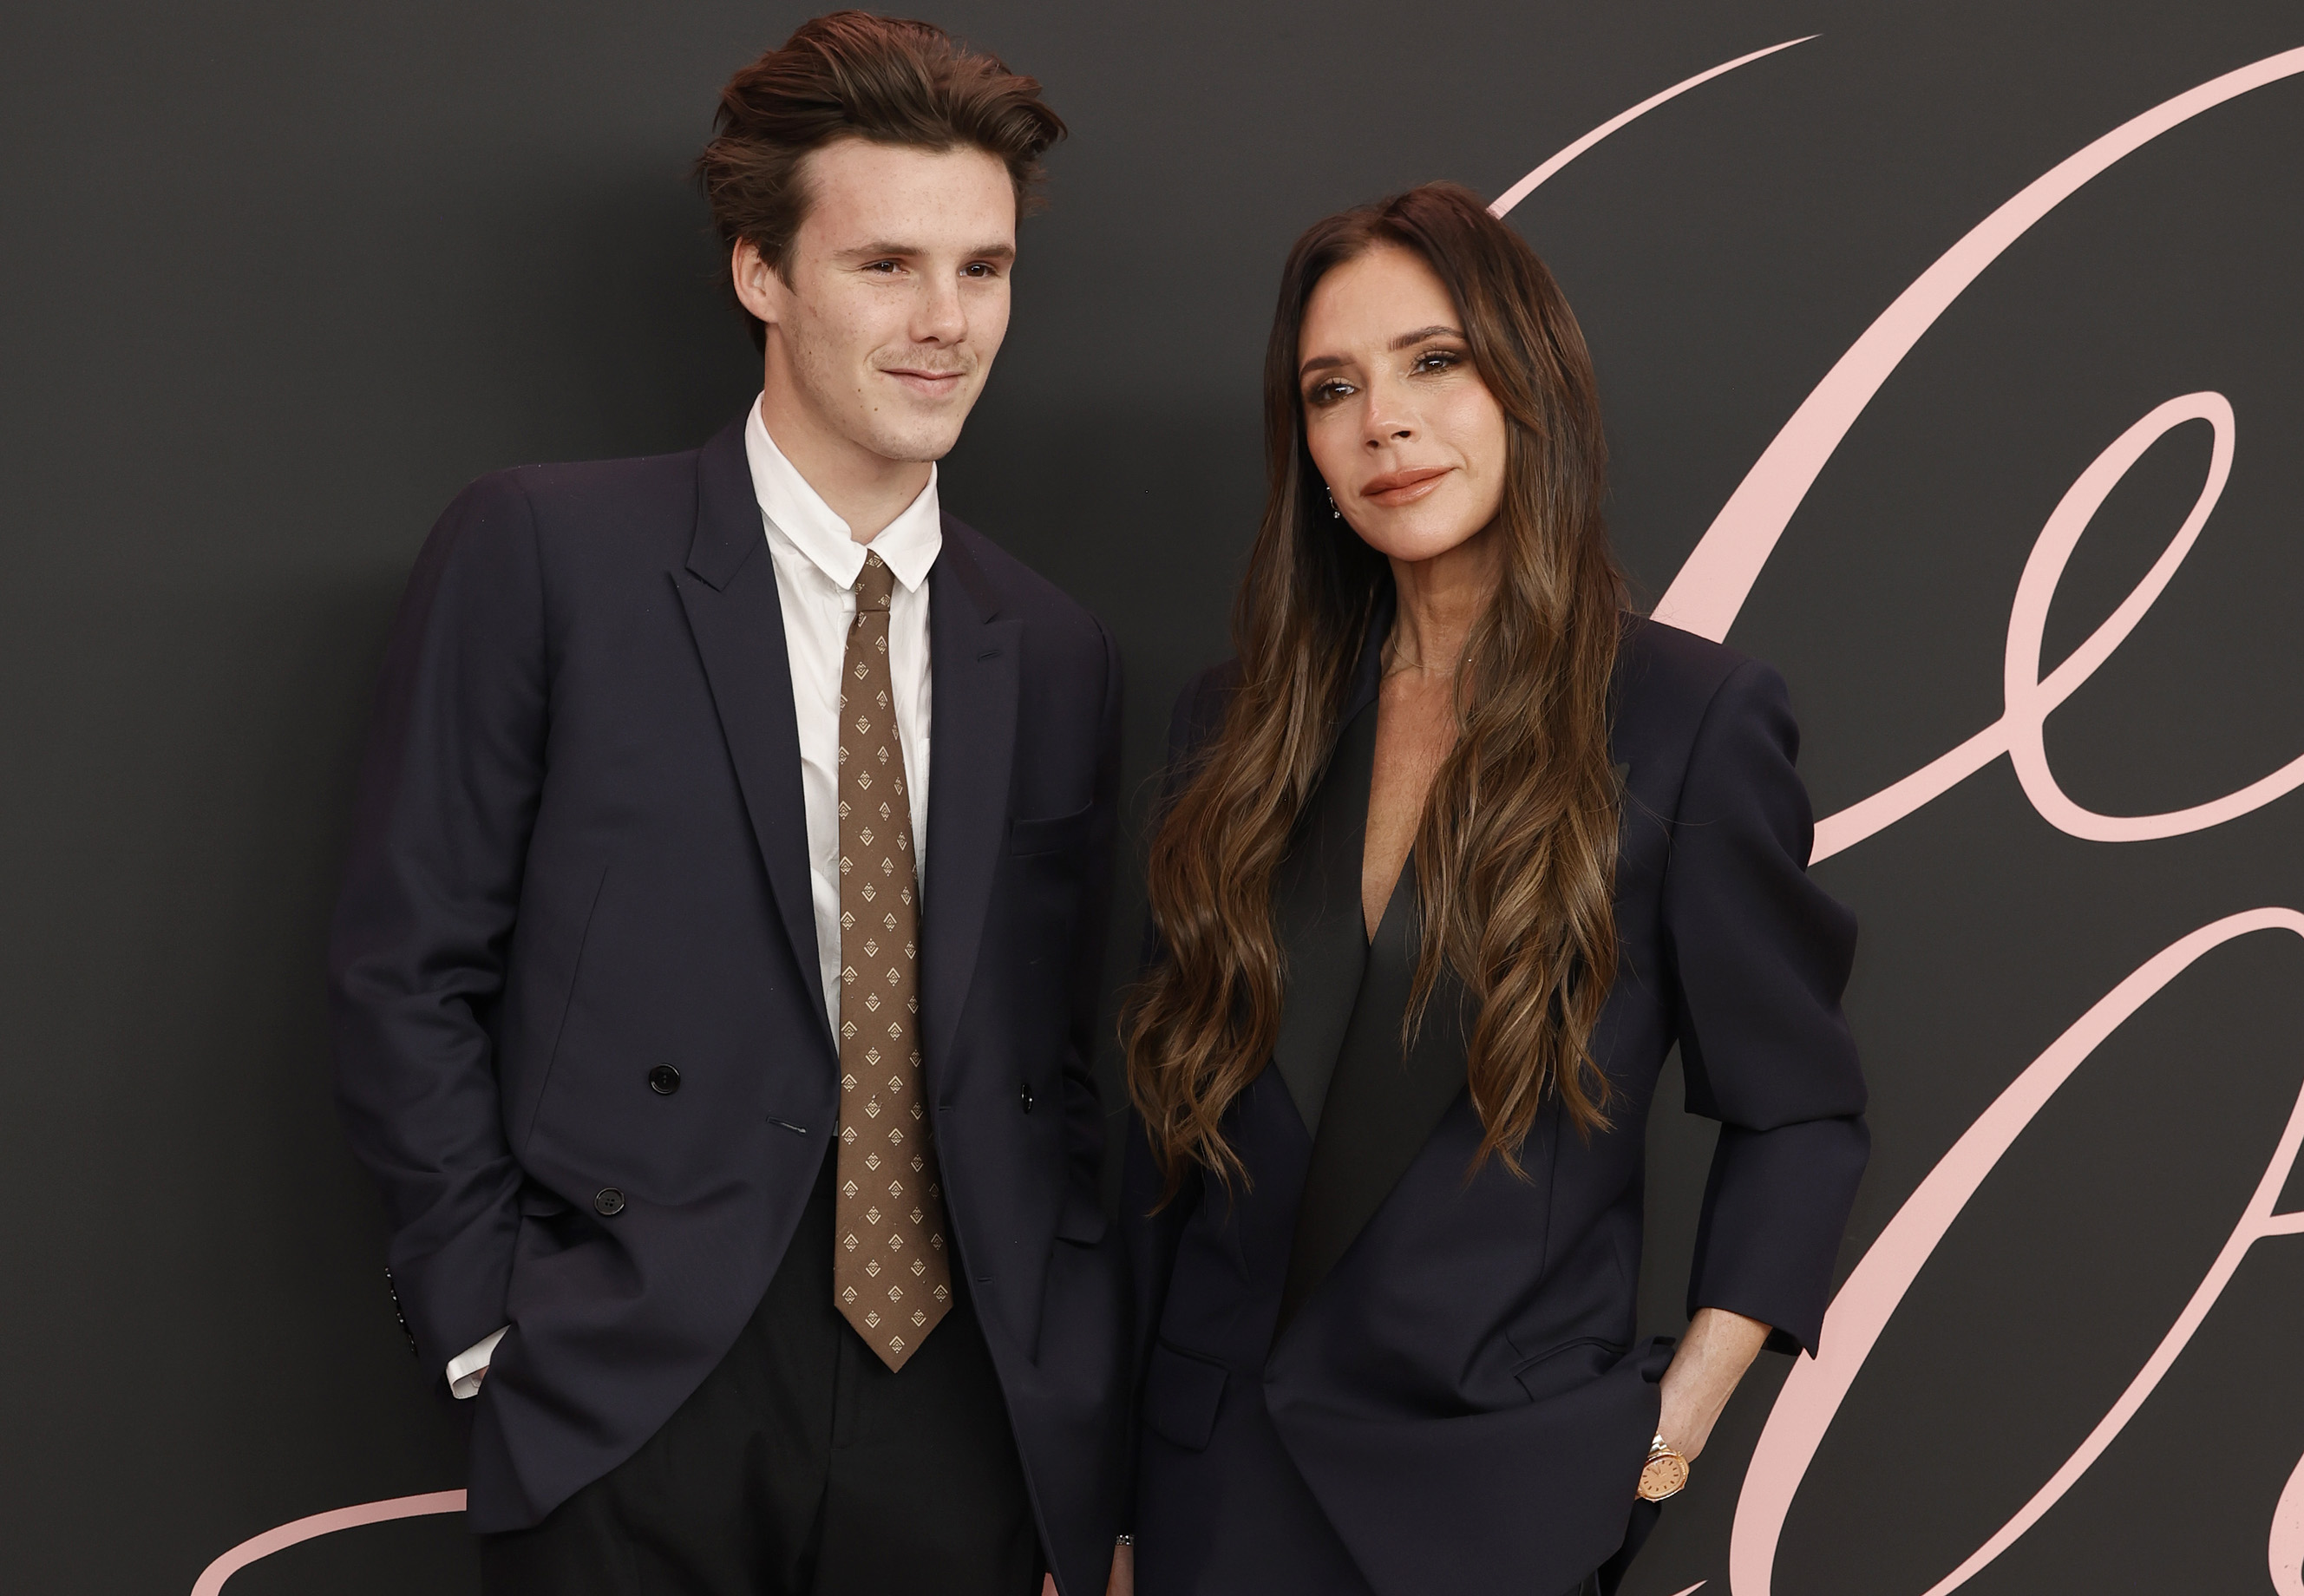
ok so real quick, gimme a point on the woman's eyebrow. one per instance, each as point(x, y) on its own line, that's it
point(1405, 341)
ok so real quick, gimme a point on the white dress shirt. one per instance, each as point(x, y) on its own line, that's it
point(816, 562)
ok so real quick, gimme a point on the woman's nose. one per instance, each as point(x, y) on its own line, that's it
point(1386, 424)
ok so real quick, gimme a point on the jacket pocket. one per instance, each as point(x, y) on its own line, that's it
point(1566, 1366)
point(1053, 834)
point(1180, 1394)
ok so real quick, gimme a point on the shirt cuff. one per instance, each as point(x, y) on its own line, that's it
point(465, 1369)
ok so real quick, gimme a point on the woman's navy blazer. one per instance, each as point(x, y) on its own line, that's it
point(1367, 1366)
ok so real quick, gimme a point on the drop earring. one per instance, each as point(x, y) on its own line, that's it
point(1332, 510)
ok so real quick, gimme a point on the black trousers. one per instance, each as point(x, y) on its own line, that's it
point(802, 1466)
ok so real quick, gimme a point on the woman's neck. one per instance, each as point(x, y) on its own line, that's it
point(1441, 599)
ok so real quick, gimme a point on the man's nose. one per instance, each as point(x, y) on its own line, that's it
point(940, 317)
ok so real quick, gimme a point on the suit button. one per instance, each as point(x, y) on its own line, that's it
point(664, 1080)
point(608, 1201)
point(1024, 1096)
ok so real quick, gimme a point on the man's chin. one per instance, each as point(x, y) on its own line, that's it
point(921, 443)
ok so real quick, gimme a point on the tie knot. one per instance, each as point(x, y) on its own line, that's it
point(876, 585)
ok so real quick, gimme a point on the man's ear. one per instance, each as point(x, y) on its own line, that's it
point(758, 287)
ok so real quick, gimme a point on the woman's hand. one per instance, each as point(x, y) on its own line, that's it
point(1711, 1358)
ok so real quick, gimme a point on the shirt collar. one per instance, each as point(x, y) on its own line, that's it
point(797, 513)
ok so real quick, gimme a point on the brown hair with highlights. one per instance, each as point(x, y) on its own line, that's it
point(1515, 855)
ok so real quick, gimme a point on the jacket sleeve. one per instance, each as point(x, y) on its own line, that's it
point(1762, 955)
point(1150, 1231)
point(1084, 1104)
point(447, 796)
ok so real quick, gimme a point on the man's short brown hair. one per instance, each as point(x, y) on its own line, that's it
point(852, 75)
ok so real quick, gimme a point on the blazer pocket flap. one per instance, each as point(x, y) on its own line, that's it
point(1181, 1394)
point(1081, 1219)
point(1565, 1367)
point(1053, 834)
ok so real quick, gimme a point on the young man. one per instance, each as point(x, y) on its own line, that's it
point(716, 967)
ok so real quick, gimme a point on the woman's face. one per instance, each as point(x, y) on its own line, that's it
point(1410, 439)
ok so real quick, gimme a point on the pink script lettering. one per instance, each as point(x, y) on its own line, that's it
point(1704, 598)
point(1812, 1396)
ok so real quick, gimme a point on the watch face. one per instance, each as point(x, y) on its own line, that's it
point(1663, 1475)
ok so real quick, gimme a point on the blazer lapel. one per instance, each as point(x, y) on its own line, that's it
point(974, 657)
point(1315, 894)
point(1382, 1108)
point(1316, 904)
point(738, 622)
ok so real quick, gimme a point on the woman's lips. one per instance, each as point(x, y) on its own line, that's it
point(1395, 488)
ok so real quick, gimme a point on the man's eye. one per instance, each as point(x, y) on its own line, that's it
point(980, 269)
point(882, 266)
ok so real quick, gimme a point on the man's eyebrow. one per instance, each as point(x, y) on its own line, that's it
point(884, 250)
point(1405, 341)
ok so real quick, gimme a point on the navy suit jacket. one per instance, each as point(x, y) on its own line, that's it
point(580, 853)
point(1446, 1362)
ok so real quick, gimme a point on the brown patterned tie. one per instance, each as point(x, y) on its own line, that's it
point(892, 1270)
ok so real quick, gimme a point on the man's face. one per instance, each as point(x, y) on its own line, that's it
point(898, 297)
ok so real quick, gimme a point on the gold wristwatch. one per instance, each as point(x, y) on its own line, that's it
point(1663, 1473)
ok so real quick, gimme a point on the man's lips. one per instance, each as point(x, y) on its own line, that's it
point(1395, 488)
point(934, 385)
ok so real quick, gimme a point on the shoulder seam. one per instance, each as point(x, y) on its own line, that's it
point(1703, 722)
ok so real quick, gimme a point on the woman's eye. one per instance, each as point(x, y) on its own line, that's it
point(1328, 393)
point(1438, 359)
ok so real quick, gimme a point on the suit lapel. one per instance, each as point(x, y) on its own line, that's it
point(974, 658)
point(738, 622)
point(1316, 904)
point(1381, 1108)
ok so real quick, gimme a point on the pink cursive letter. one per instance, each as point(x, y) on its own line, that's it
point(1813, 1393)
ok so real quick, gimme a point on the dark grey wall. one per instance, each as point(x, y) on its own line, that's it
point(275, 279)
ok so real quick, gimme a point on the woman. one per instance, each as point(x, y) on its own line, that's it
point(1454, 852)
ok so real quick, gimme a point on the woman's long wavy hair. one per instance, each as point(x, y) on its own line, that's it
point(1515, 855)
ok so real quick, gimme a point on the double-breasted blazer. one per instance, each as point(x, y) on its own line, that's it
point(1367, 1366)
point(580, 853)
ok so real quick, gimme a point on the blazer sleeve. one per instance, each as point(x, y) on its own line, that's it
point(447, 796)
point(1084, 1104)
point(1762, 955)
point(1150, 1231)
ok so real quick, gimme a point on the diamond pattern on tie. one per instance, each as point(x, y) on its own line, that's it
point(880, 1087)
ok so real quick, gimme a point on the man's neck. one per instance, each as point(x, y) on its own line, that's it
point(866, 490)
